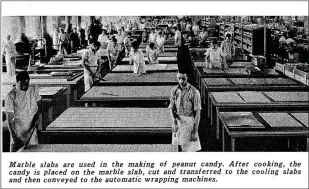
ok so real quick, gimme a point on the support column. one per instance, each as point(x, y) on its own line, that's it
point(44, 24)
point(92, 18)
point(67, 23)
point(22, 24)
point(33, 26)
point(55, 23)
point(79, 21)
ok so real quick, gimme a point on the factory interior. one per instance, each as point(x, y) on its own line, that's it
point(256, 100)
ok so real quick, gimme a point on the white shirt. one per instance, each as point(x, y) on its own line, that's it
point(203, 35)
point(215, 56)
point(178, 37)
point(160, 40)
point(120, 38)
point(23, 103)
point(141, 26)
point(152, 37)
point(9, 48)
point(195, 29)
point(103, 38)
point(152, 53)
point(24, 106)
point(127, 42)
point(160, 43)
point(113, 50)
point(188, 27)
point(289, 40)
point(137, 57)
point(282, 40)
point(91, 57)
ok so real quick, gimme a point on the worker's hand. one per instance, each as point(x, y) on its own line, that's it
point(175, 126)
point(17, 142)
point(37, 123)
point(194, 136)
point(15, 137)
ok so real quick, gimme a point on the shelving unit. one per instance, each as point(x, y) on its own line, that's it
point(223, 30)
point(250, 40)
point(238, 35)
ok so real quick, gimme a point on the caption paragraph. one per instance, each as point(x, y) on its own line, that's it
point(143, 171)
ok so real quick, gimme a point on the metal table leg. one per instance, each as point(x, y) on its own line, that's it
point(223, 139)
point(232, 144)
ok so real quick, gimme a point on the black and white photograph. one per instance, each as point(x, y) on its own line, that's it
point(155, 83)
point(186, 82)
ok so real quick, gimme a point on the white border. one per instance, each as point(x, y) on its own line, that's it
point(138, 8)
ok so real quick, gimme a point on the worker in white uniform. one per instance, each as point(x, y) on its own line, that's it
point(215, 57)
point(177, 36)
point(185, 108)
point(90, 62)
point(128, 43)
point(9, 51)
point(228, 48)
point(152, 54)
point(103, 39)
point(113, 52)
point(120, 36)
point(195, 29)
point(22, 107)
point(160, 40)
point(137, 59)
point(152, 36)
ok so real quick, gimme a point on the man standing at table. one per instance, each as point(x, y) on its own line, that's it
point(137, 59)
point(228, 48)
point(113, 53)
point(103, 39)
point(128, 43)
point(74, 41)
point(9, 50)
point(90, 62)
point(63, 42)
point(152, 36)
point(22, 111)
point(185, 108)
point(160, 40)
point(177, 36)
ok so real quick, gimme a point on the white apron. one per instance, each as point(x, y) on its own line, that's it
point(138, 63)
point(24, 112)
point(152, 58)
point(216, 64)
point(183, 135)
point(139, 68)
point(22, 124)
point(10, 61)
point(88, 80)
